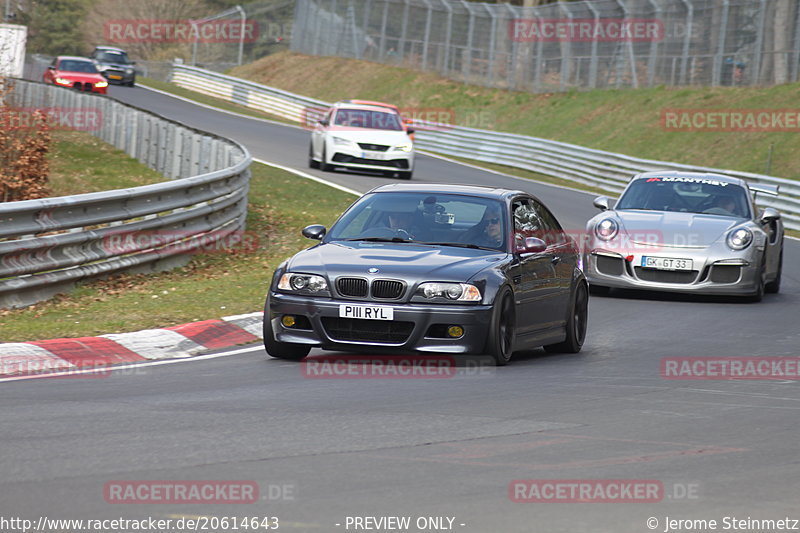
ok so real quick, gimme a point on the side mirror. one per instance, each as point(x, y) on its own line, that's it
point(323, 122)
point(601, 203)
point(410, 131)
point(51, 67)
point(314, 231)
point(770, 214)
point(531, 245)
point(133, 62)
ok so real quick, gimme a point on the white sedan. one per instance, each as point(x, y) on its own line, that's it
point(362, 137)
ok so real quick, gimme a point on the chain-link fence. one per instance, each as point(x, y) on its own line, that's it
point(256, 30)
point(584, 44)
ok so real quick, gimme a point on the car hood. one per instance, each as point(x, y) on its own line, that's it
point(366, 135)
point(409, 262)
point(675, 229)
point(79, 76)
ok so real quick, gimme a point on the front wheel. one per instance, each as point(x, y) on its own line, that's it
point(405, 175)
point(312, 163)
point(281, 350)
point(323, 164)
point(576, 323)
point(501, 329)
point(774, 286)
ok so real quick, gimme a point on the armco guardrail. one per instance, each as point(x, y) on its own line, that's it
point(47, 245)
point(604, 170)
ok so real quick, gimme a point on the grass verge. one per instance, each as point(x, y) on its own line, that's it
point(81, 163)
point(211, 285)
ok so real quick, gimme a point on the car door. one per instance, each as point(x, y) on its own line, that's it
point(564, 257)
point(535, 277)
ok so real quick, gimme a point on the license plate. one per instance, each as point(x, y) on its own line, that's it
point(666, 263)
point(373, 155)
point(115, 77)
point(369, 312)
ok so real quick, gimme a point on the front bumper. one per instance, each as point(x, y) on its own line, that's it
point(722, 274)
point(415, 328)
point(119, 76)
point(354, 157)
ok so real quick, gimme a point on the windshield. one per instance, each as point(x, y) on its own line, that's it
point(687, 195)
point(113, 57)
point(361, 118)
point(441, 219)
point(72, 65)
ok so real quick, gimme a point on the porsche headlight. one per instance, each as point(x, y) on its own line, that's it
point(101, 84)
point(340, 141)
point(308, 283)
point(739, 239)
point(463, 292)
point(62, 81)
point(406, 147)
point(606, 229)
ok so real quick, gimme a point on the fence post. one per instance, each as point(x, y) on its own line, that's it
point(384, 20)
point(716, 73)
point(492, 44)
point(759, 51)
point(427, 39)
point(686, 40)
point(447, 36)
point(466, 61)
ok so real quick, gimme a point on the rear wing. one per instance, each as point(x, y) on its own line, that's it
point(772, 190)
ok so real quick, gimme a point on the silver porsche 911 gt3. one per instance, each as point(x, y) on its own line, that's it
point(687, 232)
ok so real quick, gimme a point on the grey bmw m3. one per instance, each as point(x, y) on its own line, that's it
point(431, 268)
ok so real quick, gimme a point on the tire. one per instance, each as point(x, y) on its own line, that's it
point(500, 341)
point(405, 175)
point(774, 286)
point(760, 288)
point(312, 163)
point(576, 323)
point(599, 290)
point(281, 350)
point(323, 164)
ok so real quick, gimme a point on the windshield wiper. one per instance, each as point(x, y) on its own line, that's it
point(460, 245)
point(380, 239)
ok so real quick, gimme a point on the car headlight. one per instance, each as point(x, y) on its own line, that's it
point(62, 81)
point(404, 147)
point(308, 283)
point(341, 141)
point(606, 229)
point(128, 71)
point(739, 239)
point(101, 84)
point(463, 292)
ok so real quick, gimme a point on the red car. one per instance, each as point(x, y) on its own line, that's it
point(76, 72)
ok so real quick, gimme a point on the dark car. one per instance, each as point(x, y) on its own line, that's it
point(453, 269)
point(114, 64)
point(75, 72)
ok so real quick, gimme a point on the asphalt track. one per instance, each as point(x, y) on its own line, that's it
point(324, 449)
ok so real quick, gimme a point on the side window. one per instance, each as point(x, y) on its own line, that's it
point(553, 233)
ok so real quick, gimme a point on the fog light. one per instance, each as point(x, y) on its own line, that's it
point(288, 321)
point(455, 331)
